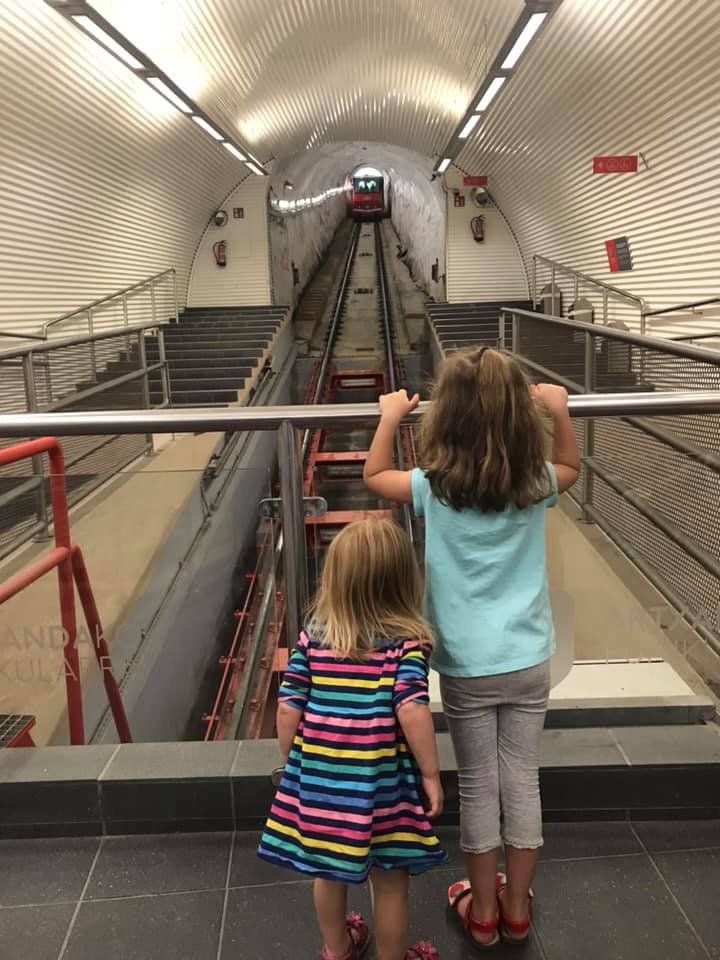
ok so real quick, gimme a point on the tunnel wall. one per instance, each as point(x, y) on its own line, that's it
point(488, 270)
point(105, 183)
point(245, 280)
point(615, 78)
point(301, 239)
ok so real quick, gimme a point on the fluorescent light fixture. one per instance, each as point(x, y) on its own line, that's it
point(207, 128)
point(442, 167)
point(231, 148)
point(255, 170)
point(89, 25)
point(528, 32)
point(469, 127)
point(490, 93)
point(165, 91)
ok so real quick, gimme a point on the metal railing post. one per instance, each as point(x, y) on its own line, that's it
point(534, 281)
point(576, 287)
point(164, 372)
point(552, 288)
point(515, 334)
point(41, 506)
point(93, 355)
point(501, 330)
point(588, 431)
point(605, 308)
point(145, 381)
point(293, 527)
point(175, 296)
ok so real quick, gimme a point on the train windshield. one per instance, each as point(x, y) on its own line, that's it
point(367, 184)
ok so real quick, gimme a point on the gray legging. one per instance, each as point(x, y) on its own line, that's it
point(495, 724)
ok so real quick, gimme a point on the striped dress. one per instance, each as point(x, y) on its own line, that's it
point(350, 798)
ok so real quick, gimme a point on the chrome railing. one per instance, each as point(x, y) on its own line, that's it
point(291, 421)
point(657, 478)
point(48, 376)
point(606, 291)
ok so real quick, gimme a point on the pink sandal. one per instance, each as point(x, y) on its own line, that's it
point(360, 936)
point(422, 950)
point(489, 928)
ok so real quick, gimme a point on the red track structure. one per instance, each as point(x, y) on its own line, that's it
point(68, 560)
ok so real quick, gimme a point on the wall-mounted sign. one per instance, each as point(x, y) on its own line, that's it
point(618, 252)
point(238, 213)
point(615, 164)
point(475, 181)
point(459, 200)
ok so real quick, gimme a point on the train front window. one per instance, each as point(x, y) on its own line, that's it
point(366, 185)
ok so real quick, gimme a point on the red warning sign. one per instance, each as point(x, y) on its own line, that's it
point(615, 164)
point(475, 181)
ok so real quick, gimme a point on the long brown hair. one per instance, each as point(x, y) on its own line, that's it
point(369, 589)
point(482, 441)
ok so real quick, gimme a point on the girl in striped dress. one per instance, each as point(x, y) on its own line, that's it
point(361, 779)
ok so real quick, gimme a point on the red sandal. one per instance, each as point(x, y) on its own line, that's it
point(457, 892)
point(513, 931)
point(422, 950)
point(360, 936)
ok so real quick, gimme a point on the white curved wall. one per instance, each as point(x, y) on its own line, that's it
point(615, 77)
point(245, 279)
point(102, 183)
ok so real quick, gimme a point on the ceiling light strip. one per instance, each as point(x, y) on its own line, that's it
point(535, 14)
point(87, 19)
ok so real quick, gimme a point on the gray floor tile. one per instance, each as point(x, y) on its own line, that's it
point(175, 927)
point(579, 748)
point(34, 933)
point(249, 870)
point(284, 931)
point(615, 909)
point(165, 863)
point(694, 878)
point(572, 841)
point(664, 835)
point(44, 871)
point(681, 744)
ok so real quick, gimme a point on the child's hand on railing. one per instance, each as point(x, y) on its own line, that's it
point(396, 406)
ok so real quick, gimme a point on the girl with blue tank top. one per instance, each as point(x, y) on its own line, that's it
point(483, 485)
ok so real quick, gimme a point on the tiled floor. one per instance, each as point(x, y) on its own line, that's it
point(605, 891)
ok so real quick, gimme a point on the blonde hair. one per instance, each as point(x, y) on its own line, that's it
point(482, 443)
point(370, 589)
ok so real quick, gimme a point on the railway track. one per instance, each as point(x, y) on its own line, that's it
point(357, 359)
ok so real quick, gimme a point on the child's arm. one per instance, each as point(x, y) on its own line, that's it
point(288, 719)
point(565, 455)
point(380, 474)
point(417, 726)
point(293, 697)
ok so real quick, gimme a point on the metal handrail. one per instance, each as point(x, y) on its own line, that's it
point(48, 345)
point(611, 333)
point(333, 415)
point(118, 294)
point(682, 306)
point(616, 291)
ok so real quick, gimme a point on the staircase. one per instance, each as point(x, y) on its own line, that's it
point(461, 325)
point(214, 353)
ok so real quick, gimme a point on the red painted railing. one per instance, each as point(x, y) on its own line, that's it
point(67, 558)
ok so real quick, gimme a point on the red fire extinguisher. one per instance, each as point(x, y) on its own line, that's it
point(219, 253)
point(477, 225)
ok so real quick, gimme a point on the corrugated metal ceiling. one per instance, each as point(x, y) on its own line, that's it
point(295, 74)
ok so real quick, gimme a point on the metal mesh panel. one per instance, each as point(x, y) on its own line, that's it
point(684, 491)
point(61, 376)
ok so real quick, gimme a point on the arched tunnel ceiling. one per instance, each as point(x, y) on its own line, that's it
point(295, 74)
